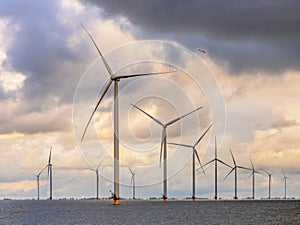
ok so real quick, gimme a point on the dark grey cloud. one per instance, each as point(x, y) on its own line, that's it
point(254, 36)
point(39, 50)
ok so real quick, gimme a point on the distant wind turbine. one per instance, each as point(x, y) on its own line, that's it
point(38, 182)
point(285, 178)
point(216, 160)
point(253, 178)
point(97, 178)
point(164, 144)
point(49, 165)
point(235, 174)
point(193, 147)
point(270, 180)
point(113, 78)
point(132, 182)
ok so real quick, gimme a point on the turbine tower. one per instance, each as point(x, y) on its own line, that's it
point(216, 160)
point(285, 178)
point(193, 147)
point(113, 78)
point(49, 165)
point(270, 180)
point(164, 144)
point(235, 174)
point(132, 182)
point(253, 179)
point(38, 182)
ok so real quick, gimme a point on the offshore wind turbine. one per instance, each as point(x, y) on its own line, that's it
point(132, 182)
point(285, 178)
point(97, 178)
point(270, 180)
point(38, 182)
point(114, 78)
point(164, 144)
point(195, 153)
point(253, 178)
point(49, 165)
point(235, 174)
point(216, 160)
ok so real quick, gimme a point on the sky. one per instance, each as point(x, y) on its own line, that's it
point(51, 76)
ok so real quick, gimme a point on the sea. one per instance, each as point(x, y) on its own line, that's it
point(85, 212)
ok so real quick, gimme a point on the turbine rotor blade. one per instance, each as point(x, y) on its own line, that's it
point(100, 164)
point(130, 170)
point(196, 153)
point(156, 120)
point(215, 147)
point(183, 145)
point(41, 171)
point(179, 118)
point(140, 74)
point(97, 105)
point(232, 157)
point(162, 145)
point(49, 162)
point(234, 168)
point(251, 163)
point(197, 142)
point(223, 163)
point(245, 168)
point(208, 162)
point(102, 57)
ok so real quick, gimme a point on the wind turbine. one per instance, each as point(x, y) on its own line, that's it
point(38, 182)
point(164, 144)
point(216, 160)
point(253, 178)
point(97, 178)
point(193, 147)
point(49, 165)
point(113, 78)
point(132, 182)
point(235, 174)
point(270, 180)
point(285, 178)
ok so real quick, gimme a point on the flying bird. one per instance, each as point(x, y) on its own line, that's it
point(200, 50)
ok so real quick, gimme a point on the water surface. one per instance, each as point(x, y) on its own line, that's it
point(150, 212)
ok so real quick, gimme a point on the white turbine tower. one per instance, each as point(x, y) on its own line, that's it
point(113, 78)
point(285, 178)
point(132, 182)
point(164, 144)
point(195, 153)
point(216, 160)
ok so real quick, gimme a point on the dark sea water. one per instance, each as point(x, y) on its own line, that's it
point(150, 212)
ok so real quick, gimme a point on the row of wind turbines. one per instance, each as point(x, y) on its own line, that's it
point(163, 149)
point(215, 160)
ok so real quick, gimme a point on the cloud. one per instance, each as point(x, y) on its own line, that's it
point(284, 123)
point(256, 36)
